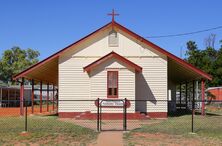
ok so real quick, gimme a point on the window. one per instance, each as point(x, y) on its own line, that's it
point(112, 84)
point(113, 39)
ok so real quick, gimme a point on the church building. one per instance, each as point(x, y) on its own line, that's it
point(114, 63)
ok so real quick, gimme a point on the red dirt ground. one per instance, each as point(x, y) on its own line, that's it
point(15, 111)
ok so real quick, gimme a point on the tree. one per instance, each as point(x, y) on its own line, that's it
point(210, 41)
point(208, 59)
point(193, 54)
point(217, 69)
point(15, 60)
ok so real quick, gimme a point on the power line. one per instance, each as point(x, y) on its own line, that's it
point(187, 33)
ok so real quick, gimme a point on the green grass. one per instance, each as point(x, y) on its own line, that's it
point(177, 130)
point(45, 130)
point(207, 126)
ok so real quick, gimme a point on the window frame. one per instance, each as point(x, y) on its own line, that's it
point(117, 80)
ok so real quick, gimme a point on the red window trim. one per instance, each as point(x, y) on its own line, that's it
point(111, 96)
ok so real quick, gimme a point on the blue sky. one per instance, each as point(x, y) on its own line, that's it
point(50, 25)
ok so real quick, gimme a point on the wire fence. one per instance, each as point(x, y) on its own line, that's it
point(65, 116)
point(37, 107)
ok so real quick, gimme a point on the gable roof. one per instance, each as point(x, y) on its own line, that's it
point(110, 56)
point(57, 54)
point(127, 31)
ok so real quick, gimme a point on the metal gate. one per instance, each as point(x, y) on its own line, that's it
point(111, 114)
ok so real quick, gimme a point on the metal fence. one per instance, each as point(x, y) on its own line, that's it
point(106, 114)
point(65, 121)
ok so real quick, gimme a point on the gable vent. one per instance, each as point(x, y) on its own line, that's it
point(113, 39)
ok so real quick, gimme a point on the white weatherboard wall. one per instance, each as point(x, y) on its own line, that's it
point(74, 83)
point(151, 84)
point(126, 86)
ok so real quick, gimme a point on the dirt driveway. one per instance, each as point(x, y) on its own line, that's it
point(15, 111)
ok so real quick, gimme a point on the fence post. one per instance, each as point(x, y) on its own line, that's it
point(180, 95)
point(123, 101)
point(53, 96)
point(186, 94)
point(47, 98)
point(193, 106)
point(192, 115)
point(125, 115)
point(98, 115)
point(202, 97)
point(32, 96)
point(57, 99)
point(40, 97)
point(22, 97)
point(26, 113)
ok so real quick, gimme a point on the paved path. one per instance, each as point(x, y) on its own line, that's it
point(110, 138)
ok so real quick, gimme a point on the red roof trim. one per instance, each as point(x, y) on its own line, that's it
point(159, 49)
point(109, 56)
point(182, 62)
point(55, 55)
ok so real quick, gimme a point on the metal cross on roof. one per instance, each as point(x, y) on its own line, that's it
point(113, 14)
